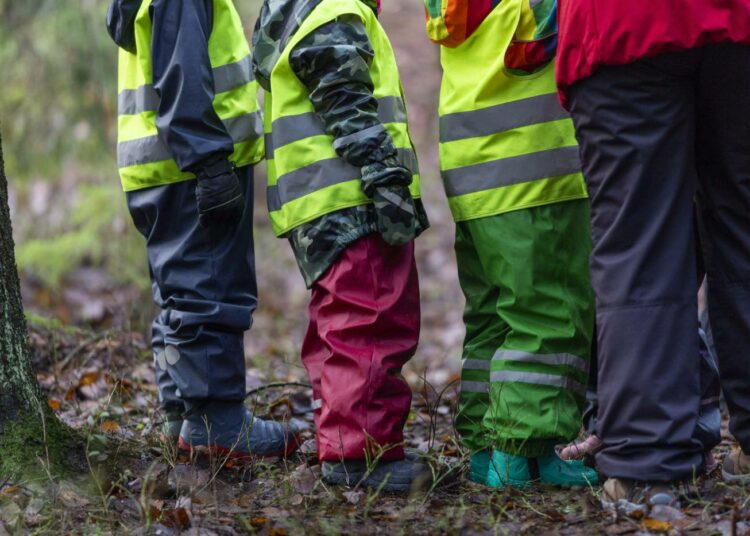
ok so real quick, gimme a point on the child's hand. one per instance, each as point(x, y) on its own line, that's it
point(397, 218)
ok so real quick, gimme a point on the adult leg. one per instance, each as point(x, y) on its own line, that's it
point(635, 126)
point(723, 157)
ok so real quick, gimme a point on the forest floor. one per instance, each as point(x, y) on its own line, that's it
point(101, 383)
point(89, 336)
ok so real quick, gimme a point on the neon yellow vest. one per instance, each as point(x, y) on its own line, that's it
point(306, 178)
point(505, 141)
point(143, 159)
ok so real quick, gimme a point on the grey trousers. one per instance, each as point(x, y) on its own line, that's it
point(203, 281)
point(655, 136)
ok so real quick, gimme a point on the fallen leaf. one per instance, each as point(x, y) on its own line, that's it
point(53, 404)
point(296, 499)
point(176, 517)
point(259, 521)
point(88, 379)
point(109, 427)
point(303, 479)
point(654, 525)
point(278, 532)
point(352, 496)
point(662, 512)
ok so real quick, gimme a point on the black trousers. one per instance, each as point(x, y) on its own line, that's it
point(203, 281)
point(656, 136)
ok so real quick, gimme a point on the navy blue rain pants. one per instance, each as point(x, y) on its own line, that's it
point(655, 136)
point(203, 282)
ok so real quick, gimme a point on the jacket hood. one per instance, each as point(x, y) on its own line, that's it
point(276, 24)
point(121, 22)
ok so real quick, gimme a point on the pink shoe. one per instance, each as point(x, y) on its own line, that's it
point(580, 449)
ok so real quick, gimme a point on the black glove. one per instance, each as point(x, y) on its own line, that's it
point(397, 216)
point(219, 197)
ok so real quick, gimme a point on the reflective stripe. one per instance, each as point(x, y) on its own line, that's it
point(233, 75)
point(512, 170)
point(145, 98)
point(245, 127)
point(320, 174)
point(291, 128)
point(152, 149)
point(475, 387)
point(366, 133)
point(135, 101)
point(545, 359)
point(475, 364)
point(538, 379)
point(317, 403)
point(507, 116)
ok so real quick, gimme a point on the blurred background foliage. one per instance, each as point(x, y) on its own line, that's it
point(80, 257)
point(58, 110)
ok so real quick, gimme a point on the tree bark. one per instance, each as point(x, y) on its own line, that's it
point(29, 431)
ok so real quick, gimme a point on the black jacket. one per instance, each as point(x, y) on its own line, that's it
point(182, 76)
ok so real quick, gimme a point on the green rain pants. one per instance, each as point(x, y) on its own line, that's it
point(529, 323)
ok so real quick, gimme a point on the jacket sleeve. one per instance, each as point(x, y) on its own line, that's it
point(183, 79)
point(333, 62)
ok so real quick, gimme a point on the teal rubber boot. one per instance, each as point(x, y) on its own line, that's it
point(566, 474)
point(508, 470)
point(520, 472)
point(479, 466)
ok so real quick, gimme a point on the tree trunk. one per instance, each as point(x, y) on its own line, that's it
point(29, 432)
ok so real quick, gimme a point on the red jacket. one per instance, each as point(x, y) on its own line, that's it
point(615, 32)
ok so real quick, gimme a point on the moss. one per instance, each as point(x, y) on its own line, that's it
point(32, 447)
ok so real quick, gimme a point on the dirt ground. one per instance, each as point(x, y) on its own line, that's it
point(91, 350)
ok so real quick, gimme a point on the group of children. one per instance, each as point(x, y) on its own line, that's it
point(344, 189)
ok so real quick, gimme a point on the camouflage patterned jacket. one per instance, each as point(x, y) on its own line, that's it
point(334, 64)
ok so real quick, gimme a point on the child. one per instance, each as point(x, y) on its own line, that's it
point(189, 134)
point(510, 166)
point(343, 188)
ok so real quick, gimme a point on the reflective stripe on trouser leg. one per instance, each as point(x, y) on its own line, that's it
point(169, 395)
point(484, 333)
point(537, 259)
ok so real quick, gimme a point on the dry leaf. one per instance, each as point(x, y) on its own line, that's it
point(53, 404)
point(259, 521)
point(88, 379)
point(654, 525)
point(109, 427)
point(176, 517)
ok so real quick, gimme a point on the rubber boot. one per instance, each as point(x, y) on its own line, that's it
point(520, 472)
point(399, 476)
point(230, 429)
point(479, 466)
point(170, 428)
